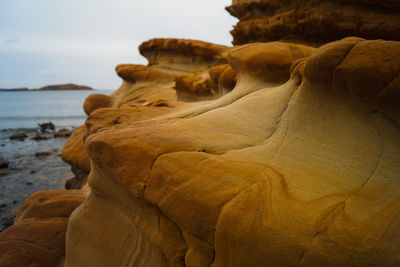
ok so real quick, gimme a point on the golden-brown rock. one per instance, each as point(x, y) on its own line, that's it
point(226, 79)
point(95, 101)
point(304, 173)
point(139, 73)
point(135, 104)
point(152, 85)
point(172, 251)
point(50, 204)
point(144, 84)
point(184, 55)
point(314, 22)
point(74, 152)
point(37, 237)
point(194, 87)
point(33, 242)
point(210, 84)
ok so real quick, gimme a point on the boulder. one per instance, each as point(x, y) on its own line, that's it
point(42, 154)
point(74, 152)
point(37, 237)
point(18, 136)
point(63, 132)
point(40, 137)
point(95, 101)
point(46, 126)
point(3, 163)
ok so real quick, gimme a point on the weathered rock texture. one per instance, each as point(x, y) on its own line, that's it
point(296, 163)
point(171, 61)
point(37, 237)
point(151, 91)
point(181, 54)
point(270, 174)
point(264, 154)
point(314, 21)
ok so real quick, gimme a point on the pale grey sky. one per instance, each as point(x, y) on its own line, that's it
point(81, 41)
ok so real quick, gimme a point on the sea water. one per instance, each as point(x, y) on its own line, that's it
point(21, 112)
point(24, 110)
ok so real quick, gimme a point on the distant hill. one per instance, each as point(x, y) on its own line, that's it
point(15, 89)
point(68, 86)
point(57, 87)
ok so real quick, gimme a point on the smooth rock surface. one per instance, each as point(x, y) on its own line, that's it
point(302, 173)
point(309, 180)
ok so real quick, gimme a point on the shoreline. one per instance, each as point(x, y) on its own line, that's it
point(57, 87)
point(33, 165)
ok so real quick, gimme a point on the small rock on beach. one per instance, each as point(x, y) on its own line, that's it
point(42, 154)
point(46, 126)
point(62, 133)
point(18, 136)
point(40, 137)
point(3, 163)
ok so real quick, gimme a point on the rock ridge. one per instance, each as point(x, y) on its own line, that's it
point(314, 22)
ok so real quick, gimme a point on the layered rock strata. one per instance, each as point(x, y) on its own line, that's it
point(295, 162)
point(314, 22)
point(271, 174)
point(157, 85)
point(181, 54)
point(303, 173)
point(264, 154)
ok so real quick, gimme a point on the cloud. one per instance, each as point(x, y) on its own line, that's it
point(12, 40)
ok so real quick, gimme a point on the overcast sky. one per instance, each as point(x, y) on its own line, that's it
point(81, 41)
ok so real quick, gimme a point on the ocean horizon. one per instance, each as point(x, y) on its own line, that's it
point(25, 109)
point(27, 173)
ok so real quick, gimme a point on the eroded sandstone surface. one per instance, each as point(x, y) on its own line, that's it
point(261, 154)
point(37, 237)
point(314, 22)
point(148, 91)
point(274, 173)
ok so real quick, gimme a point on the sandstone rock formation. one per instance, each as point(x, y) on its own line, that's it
point(152, 86)
point(151, 91)
point(271, 174)
point(314, 21)
point(74, 151)
point(181, 54)
point(37, 237)
point(263, 154)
